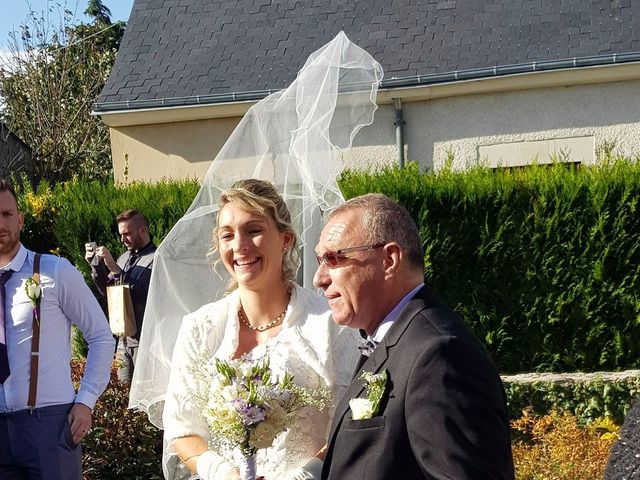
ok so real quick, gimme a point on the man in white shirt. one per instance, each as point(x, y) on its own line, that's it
point(43, 440)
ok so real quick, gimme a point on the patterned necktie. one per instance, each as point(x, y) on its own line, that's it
point(366, 346)
point(4, 357)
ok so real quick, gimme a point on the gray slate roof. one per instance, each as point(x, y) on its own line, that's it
point(182, 49)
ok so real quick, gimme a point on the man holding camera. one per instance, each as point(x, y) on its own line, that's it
point(133, 268)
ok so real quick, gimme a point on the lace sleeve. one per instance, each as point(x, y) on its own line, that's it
point(181, 417)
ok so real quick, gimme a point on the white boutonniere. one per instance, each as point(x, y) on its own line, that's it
point(34, 292)
point(375, 385)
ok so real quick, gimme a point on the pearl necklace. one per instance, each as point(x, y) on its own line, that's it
point(262, 328)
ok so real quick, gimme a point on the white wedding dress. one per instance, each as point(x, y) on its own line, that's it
point(309, 345)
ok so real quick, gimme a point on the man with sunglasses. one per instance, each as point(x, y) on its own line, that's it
point(442, 410)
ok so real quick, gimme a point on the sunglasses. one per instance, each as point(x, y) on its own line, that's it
point(332, 258)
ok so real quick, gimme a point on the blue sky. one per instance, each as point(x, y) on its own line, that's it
point(14, 12)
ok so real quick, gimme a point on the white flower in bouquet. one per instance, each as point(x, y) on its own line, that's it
point(246, 370)
point(246, 406)
point(263, 435)
point(228, 393)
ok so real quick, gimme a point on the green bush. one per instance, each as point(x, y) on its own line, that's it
point(122, 443)
point(61, 219)
point(587, 400)
point(88, 211)
point(543, 263)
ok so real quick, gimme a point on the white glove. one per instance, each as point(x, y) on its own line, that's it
point(312, 470)
point(211, 466)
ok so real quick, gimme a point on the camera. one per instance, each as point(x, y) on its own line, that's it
point(93, 246)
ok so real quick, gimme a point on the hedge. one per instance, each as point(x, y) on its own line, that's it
point(588, 399)
point(61, 219)
point(543, 262)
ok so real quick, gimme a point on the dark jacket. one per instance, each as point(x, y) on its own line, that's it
point(136, 272)
point(443, 415)
point(623, 459)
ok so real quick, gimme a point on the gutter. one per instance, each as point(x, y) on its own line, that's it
point(99, 108)
point(502, 70)
point(103, 107)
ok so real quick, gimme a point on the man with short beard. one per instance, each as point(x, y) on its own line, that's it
point(42, 418)
point(133, 268)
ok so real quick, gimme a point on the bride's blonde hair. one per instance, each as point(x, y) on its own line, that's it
point(258, 196)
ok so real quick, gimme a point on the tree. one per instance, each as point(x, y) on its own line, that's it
point(99, 12)
point(52, 76)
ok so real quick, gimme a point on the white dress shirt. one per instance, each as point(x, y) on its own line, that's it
point(66, 300)
point(386, 323)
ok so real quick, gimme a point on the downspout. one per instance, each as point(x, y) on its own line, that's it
point(399, 123)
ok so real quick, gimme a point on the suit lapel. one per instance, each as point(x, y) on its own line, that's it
point(380, 355)
point(373, 364)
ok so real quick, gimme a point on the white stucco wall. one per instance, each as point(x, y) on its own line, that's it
point(607, 112)
point(574, 120)
point(503, 128)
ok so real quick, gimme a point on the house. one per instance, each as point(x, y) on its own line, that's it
point(15, 155)
point(500, 82)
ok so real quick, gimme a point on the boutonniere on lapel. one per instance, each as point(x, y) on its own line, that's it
point(375, 386)
point(34, 292)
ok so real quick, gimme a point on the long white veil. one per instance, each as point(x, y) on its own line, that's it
point(292, 138)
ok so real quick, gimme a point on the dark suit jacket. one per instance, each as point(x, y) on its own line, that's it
point(443, 416)
point(623, 460)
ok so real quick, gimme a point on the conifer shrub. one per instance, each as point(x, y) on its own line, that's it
point(543, 263)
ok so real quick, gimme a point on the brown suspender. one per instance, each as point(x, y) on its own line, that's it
point(35, 343)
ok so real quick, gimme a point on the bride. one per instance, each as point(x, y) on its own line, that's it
point(266, 315)
point(294, 139)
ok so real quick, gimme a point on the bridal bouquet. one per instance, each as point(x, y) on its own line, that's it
point(246, 406)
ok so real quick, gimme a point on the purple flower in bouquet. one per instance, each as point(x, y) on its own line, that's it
point(247, 407)
point(253, 415)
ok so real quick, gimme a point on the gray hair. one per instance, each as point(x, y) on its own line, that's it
point(384, 221)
